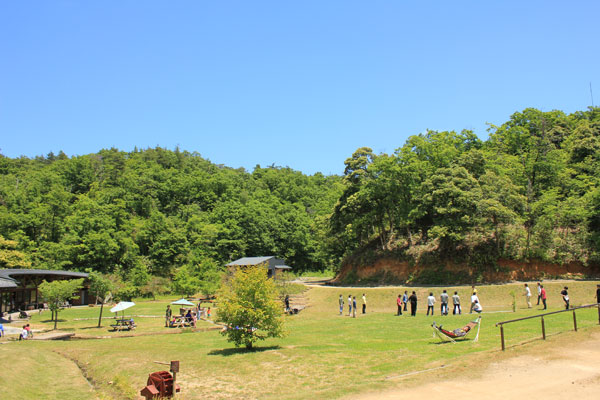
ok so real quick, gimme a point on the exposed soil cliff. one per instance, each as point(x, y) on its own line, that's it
point(388, 270)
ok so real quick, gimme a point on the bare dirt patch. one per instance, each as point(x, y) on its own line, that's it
point(566, 368)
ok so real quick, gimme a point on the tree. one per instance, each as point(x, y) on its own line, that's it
point(101, 287)
point(10, 257)
point(57, 292)
point(186, 281)
point(249, 308)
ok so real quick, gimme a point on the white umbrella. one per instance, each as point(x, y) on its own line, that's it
point(183, 302)
point(123, 305)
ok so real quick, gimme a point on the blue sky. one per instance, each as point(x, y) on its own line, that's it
point(300, 84)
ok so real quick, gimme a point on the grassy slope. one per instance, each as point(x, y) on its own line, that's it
point(31, 373)
point(325, 355)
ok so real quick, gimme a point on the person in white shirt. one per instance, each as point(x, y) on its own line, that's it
point(24, 334)
point(527, 296)
point(539, 286)
point(430, 303)
point(456, 301)
point(349, 305)
point(364, 304)
point(474, 300)
point(477, 307)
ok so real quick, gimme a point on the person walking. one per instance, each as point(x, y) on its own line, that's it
point(527, 295)
point(354, 307)
point(565, 296)
point(405, 299)
point(341, 304)
point(474, 300)
point(349, 305)
point(430, 303)
point(399, 304)
point(543, 295)
point(168, 314)
point(539, 288)
point(364, 304)
point(456, 302)
point(287, 303)
point(413, 303)
point(444, 303)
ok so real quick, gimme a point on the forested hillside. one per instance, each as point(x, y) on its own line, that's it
point(158, 212)
point(530, 191)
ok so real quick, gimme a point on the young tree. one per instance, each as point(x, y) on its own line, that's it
point(249, 308)
point(101, 287)
point(57, 292)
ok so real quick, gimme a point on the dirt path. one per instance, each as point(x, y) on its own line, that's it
point(571, 369)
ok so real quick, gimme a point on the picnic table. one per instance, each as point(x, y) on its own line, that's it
point(179, 321)
point(123, 324)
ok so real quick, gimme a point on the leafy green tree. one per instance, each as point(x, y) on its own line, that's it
point(10, 257)
point(186, 281)
point(249, 308)
point(57, 292)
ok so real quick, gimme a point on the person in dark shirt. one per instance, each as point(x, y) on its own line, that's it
point(168, 314)
point(565, 296)
point(598, 294)
point(413, 304)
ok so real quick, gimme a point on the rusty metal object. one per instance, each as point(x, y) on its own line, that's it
point(160, 385)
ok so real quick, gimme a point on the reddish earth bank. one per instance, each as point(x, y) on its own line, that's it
point(387, 269)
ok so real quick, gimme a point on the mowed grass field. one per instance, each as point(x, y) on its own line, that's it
point(324, 355)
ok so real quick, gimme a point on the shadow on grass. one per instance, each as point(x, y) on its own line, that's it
point(241, 350)
point(449, 342)
point(48, 321)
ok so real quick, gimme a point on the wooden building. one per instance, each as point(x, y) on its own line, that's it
point(271, 262)
point(19, 287)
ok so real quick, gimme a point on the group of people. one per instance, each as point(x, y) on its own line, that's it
point(190, 315)
point(404, 299)
point(352, 305)
point(26, 333)
point(542, 296)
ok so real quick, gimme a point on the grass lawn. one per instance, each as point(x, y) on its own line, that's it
point(324, 355)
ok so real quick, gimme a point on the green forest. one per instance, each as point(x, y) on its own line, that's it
point(530, 190)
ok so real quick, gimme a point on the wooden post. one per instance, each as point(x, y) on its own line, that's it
point(574, 321)
point(502, 336)
point(543, 329)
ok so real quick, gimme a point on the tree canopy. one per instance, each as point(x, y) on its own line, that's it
point(529, 191)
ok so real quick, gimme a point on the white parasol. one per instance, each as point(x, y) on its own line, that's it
point(183, 302)
point(123, 305)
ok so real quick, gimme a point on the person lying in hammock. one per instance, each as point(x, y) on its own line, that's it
point(460, 332)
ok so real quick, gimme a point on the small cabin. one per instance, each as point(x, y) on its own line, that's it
point(273, 264)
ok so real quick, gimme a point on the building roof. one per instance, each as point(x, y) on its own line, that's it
point(8, 277)
point(271, 261)
point(7, 283)
point(250, 261)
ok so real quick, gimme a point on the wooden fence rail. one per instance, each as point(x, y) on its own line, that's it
point(541, 316)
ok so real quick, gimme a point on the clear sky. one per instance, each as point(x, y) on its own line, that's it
point(292, 83)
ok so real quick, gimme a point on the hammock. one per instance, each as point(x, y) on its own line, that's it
point(446, 335)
